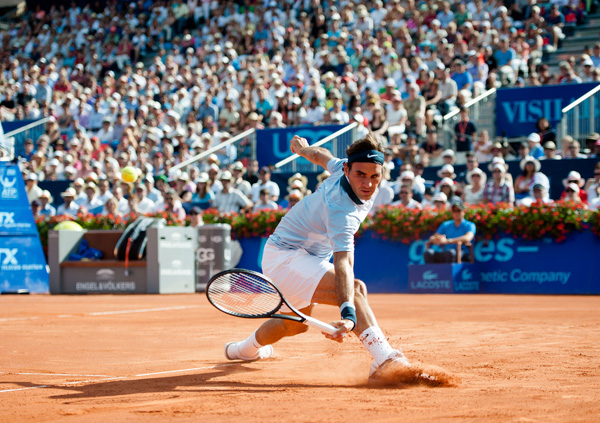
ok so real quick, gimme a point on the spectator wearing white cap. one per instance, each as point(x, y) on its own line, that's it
point(473, 191)
point(231, 200)
point(498, 190)
point(532, 166)
point(31, 187)
point(440, 201)
point(550, 151)
point(237, 172)
point(574, 178)
point(91, 201)
point(539, 195)
point(69, 207)
point(144, 204)
point(46, 208)
point(535, 149)
point(572, 194)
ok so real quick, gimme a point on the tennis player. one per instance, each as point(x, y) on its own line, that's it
point(297, 256)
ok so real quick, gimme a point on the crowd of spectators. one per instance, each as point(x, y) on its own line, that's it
point(152, 83)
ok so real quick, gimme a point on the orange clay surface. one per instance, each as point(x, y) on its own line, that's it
point(160, 358)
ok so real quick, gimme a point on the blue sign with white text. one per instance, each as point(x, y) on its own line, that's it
point(22, 261)
point(273, 145)
point(15, 213)
point(518, 109)
point(504, 265)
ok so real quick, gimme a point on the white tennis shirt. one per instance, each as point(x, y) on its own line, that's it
point(324, 222)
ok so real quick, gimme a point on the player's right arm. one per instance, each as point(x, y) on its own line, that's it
point(317, 155)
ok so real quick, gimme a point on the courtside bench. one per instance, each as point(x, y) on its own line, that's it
point(169, 266)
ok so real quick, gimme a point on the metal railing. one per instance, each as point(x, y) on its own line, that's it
point(248, 148)
point(581, 117)
point(475, 107)
point(14, 140)
point(339, 140)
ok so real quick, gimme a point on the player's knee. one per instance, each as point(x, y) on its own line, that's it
point(360, 288)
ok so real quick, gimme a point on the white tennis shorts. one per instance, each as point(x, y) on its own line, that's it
point(295, 272)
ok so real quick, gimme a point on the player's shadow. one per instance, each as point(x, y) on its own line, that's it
point(187, 383)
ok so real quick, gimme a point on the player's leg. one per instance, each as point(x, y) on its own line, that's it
point(297, 274)
point(259, 344)
point(367, 329)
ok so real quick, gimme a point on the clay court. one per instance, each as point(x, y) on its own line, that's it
point(160, 358)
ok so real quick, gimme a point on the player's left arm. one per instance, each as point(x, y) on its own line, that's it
point(317, 155)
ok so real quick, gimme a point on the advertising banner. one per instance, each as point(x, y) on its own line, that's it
point(273, 145)
point(504, 265)
point(518, 109)
point(22, 261)
point(22, 265)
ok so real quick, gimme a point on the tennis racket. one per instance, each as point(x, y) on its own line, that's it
point(249, 294)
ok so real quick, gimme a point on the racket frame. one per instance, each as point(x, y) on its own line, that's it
point(299, 316)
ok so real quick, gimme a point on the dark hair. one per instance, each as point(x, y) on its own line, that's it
point(369, 142)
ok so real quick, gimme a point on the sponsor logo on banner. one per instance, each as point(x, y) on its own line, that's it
point(205, 254)
point(422, 279)
point(8, 180)
point(466, 282)
point(95, 286)
point(7, 221)
point(517, 109)
point(523, 276)
point(105, 274)
point(9, 261)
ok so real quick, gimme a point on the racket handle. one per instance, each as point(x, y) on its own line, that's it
point(317, 324)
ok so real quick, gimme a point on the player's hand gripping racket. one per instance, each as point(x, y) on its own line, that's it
point(244, 293)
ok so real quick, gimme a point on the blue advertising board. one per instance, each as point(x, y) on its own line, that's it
point(16, 217)
point(518, 109)
point(504, 265)
point(22, 261)
point(273, 145)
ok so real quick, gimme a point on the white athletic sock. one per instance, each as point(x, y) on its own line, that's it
point(375, 341)
point(249, 346)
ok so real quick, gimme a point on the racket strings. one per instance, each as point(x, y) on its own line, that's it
point(243, 294)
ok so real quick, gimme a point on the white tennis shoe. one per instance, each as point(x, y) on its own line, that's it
point(395, 363)
point(232, 352)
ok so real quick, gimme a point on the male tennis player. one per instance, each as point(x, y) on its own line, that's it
point(297, 256)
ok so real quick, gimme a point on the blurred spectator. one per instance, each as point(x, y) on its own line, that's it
point(230, 200)
point(473, 191)
point(69, 207)
point(440, 201)
point(550, 151)
point(431, 148)
point(499, 189)
point(406, 198)
point(293, 198)
point(535, 149)
point(45, 201)
point(264, 182)
point(573, 151)
point(31, 187)
point(195, 215)
point(265, 203)
point(572, 194)
point(539, 195)
point(574, 178)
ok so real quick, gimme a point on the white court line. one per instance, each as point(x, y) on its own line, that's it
point(107, 313)
point(141, 310)
point(186, 370)
point(24, 389)
point(56, 374)
point(13, 319)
